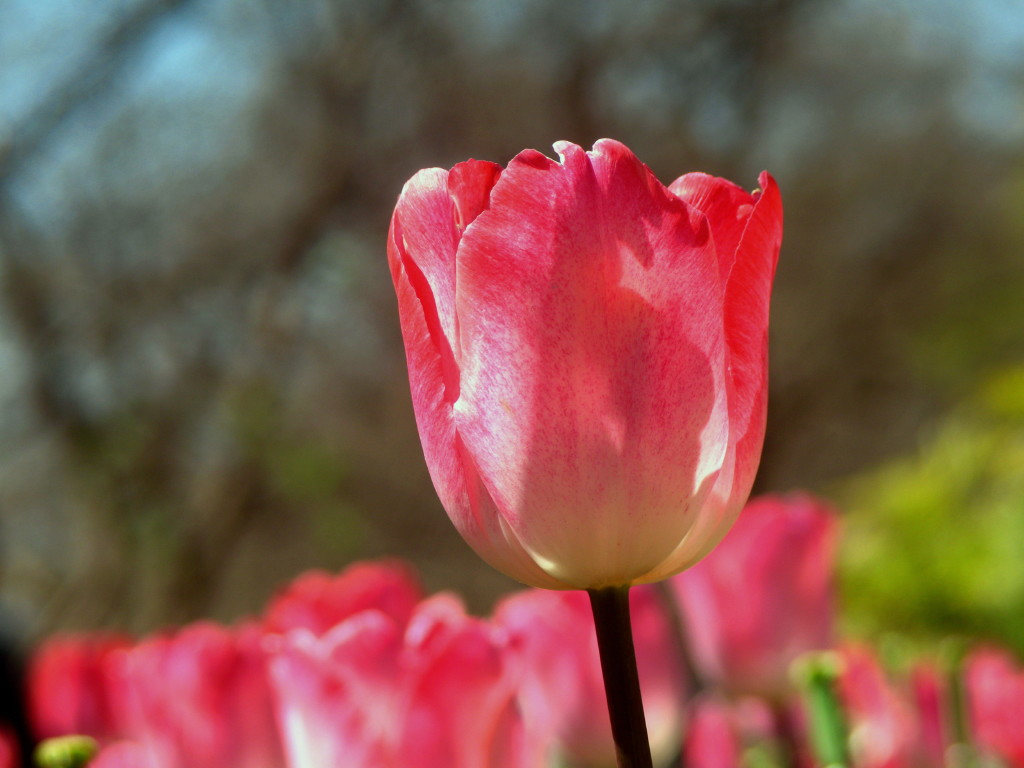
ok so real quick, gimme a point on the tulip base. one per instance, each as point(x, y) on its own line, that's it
point(621, 681)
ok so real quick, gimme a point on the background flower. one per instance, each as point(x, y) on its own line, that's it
point(995, 700)
point(440, 691)
point(553, 641)
point(71, 689)
point(199, 698)
point(882, 725)
point(764, 596)
point(318, 601)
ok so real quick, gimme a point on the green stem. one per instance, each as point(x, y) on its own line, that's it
point(621, 682)
point(962, 751)
point(955, 651)
point(819, 673)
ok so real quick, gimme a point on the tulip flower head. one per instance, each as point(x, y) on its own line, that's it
point(765, 596)
point(334, 693)
point(883, 727)
point(933, 706)
point(553, 636)
point(374, 692)
point(719, 731)
point(200, 698)
point(70, 688)
point(995, 694)
point(587, 354)
point(712, 739)
point(318, 601)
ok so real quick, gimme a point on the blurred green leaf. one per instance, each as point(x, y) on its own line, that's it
point(66, 752)
point(934, 544)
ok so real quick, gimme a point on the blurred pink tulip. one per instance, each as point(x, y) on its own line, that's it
point(883, 728)
point(462, 689)
point(336, 694)
point(335, 663)
point(200, 698)
point(371, 693)
point(719, 730)
point(552, 634)
point(317, 600)
point(933, 706)
point(70, 689)
point(764, 596)
point(712, 739)
point(587, 353)
point(124, 754)
point(995, 698)
point(10, 755)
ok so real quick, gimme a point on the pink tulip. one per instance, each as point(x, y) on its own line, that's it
point(200, 698)
point(69, 686)
point(995, 698)
point(933, 706)
point(371, 693)
point(124, 754)
point(336, 694)
point(883, 728)
point(461, 693)
point(317, 600)
point(712, 739)
point(587, 355)
point(335, 662)
point(764, 596)
point(563, 689)
point(719, 731)
point(9, 752)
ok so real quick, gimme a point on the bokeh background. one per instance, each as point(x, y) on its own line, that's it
point(202, 385)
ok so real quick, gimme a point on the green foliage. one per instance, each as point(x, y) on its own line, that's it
point(934, 544)
point(817, 675)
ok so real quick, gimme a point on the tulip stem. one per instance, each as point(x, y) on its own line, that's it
point(819, 673)
point(621, 681)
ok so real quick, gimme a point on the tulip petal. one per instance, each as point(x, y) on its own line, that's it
point(881, 722)
point(995, 698)
point(470, 185)
point(460, 693)
point(336, 695)
point(199, 697)
point(318, 600)
point(593, 393)
point(727, 207)
point(123, 754)
point(748, 233)
point(70, 687)
point(747, 298)
point(756, 235)
point(711, 739)
point(763, 596)
point(421, 249)
point(424, 225)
